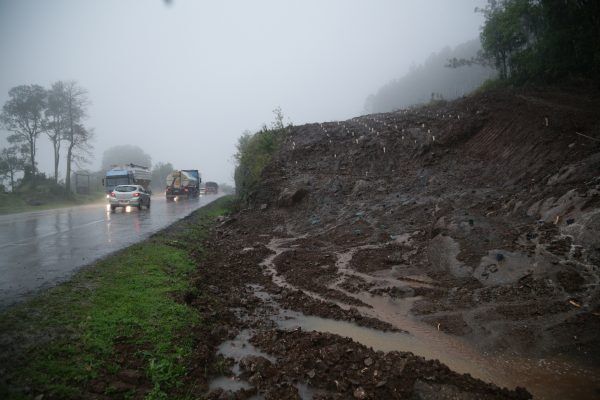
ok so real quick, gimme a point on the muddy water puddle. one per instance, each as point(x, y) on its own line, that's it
point(240, 347)
point(237, 348)
point(306, 392)
point(550, 378)
point(546, 379)
point(386, 342)
point(229, 383)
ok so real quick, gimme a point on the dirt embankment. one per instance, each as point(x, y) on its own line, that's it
point(468, 231)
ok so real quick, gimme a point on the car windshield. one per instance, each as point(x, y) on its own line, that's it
point(125, 188)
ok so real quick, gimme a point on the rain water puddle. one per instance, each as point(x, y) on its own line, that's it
point(308, 393)
point(237, 348)
point(546, 379)
point(550, 378)
point(384, 341)
point(229, 383)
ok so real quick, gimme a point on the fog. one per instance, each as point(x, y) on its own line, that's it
point(183, 80)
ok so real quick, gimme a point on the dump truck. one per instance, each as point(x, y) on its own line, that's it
point(126, 174)
point(183, 183)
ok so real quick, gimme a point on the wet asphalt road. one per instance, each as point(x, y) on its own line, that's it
point(42, 248)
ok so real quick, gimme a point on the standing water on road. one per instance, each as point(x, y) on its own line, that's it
point(40, 249)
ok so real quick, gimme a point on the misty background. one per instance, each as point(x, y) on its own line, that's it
point(182, 80)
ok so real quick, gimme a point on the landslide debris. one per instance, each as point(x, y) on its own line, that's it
point(477, 219)
point(496, 198)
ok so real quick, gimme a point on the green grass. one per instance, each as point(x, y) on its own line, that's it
point(11, 203)
point(59, 341)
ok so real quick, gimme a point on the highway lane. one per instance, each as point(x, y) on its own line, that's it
point(42, 248)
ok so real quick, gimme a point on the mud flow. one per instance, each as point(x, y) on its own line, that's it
point(464, 266)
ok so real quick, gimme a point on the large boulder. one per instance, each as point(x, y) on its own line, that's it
point(292, 196)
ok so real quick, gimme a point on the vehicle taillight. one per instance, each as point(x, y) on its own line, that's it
point(136, 195)
point(112, 194)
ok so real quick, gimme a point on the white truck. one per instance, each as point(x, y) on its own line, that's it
point(127, 174)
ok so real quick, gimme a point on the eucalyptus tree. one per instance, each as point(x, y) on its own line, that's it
point(10, 164)
point(76, 136)
point(56, 115)
point(23, 115)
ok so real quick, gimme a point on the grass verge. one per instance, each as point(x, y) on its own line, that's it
point(11, 203)
point(116, 328)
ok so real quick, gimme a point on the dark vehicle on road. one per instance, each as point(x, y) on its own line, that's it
point(211, 188)
point(183, 184)
point(129, 195)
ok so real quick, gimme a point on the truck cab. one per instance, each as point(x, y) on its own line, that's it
point(128, 174)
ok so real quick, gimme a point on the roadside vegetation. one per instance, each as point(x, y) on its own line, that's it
point(11, 203)
point(44, 195)
point(539, 43)
point(59, 112)
point(254, 152)
point(542, 41)
point(522, 42)
point(116, 325)
point(431, 80)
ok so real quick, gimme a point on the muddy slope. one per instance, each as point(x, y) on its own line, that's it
point(494, 200)
point(467, 232)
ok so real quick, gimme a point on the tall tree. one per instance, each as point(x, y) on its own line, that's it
point(76, 136)
point(56, 114)
point(543, 40)
point(508, 30)
point(23, 115)
point(10, 164)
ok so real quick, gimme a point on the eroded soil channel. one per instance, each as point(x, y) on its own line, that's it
point(384, 298)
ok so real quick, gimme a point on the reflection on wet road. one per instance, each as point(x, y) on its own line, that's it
point(40, 249)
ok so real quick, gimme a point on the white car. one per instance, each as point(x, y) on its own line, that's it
point(129, 195)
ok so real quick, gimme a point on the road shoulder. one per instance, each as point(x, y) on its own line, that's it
point(118, 327)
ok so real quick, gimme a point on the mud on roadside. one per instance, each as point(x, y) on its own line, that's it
point(461, 224)
point(238, 296)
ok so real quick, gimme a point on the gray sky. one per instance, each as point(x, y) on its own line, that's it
point(184, 81)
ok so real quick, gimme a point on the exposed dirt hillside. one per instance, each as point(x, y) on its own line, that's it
point(468, 231)
point(495, 198)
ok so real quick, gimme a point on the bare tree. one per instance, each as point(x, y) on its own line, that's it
point(278, 122)
point(76, 136)
point(79, 147)
point(10, 164)
point(56, 116)
point(23, 115)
